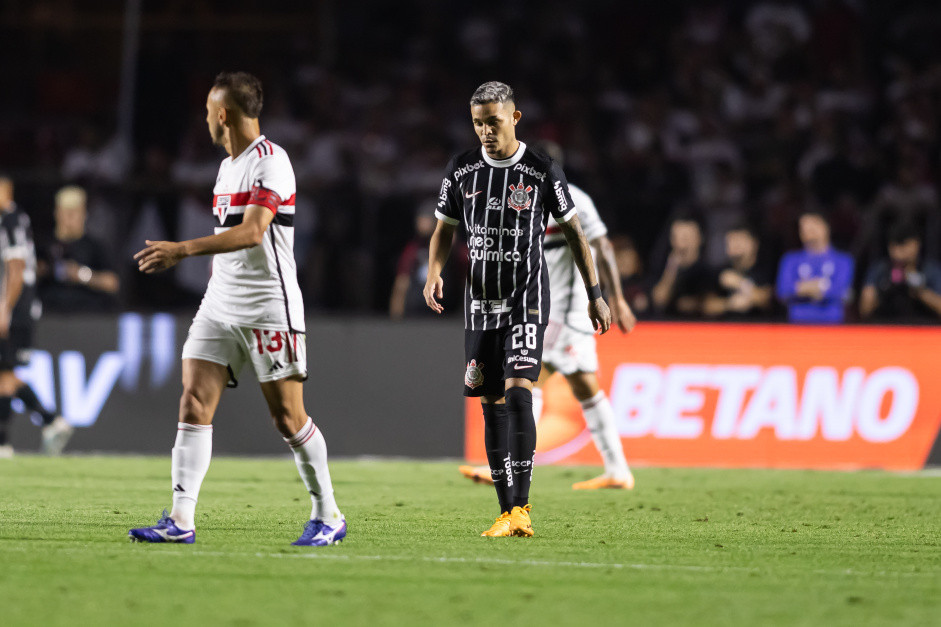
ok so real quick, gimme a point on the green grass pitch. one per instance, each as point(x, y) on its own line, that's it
point(686, 547)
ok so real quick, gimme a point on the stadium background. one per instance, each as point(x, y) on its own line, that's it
point(733, 110)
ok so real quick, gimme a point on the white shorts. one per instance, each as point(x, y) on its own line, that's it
point(567, 350)
point(274, 354)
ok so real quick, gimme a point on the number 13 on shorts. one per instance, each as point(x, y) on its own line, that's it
point(276, 342)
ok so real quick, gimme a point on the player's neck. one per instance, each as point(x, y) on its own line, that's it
point(241, 136)
point(508, 152)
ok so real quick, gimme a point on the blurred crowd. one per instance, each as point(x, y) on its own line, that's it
point(771, 159)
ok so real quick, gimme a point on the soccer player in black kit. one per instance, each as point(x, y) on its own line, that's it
point(504, 195)
point(19, 310)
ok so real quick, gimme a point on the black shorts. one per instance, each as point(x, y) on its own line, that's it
point(495, 355)
point(15, 348)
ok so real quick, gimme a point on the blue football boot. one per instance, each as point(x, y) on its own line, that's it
point(164, 531)
point(318, 533)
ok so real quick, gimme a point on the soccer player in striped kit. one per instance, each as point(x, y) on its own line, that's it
point(252, 313)
point(504, 194)
point(570, 344)
point(19, 311)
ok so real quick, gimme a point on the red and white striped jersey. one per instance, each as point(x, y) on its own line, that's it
point(569, 298)
point(256, 287)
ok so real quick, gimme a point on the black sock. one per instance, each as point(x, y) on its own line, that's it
point(496, 441)
point(519, 407)
point(4, 418)
point(26, 394)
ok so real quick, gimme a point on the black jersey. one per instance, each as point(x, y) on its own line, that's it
point(504, 206)
point(16, 242)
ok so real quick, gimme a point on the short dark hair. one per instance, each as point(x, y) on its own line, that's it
point(901, 232)
point(744, 226)
point(688, 214)
point(244, 90)
point(492, 91)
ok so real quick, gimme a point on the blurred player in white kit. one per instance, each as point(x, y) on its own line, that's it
point(252, 312)
point(570, 347)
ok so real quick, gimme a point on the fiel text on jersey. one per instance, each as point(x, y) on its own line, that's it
point(492, 306)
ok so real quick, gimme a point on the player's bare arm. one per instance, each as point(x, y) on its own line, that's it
point(12, 288)
point(99, 280)
point(438, 251)
point(868, 301)
point(621, 313)
point(663, 290)
point(159, 256)
point(598, 310)
point(397, 299)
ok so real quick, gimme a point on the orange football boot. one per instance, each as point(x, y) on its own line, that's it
point(520, 523)
point(500, 527)
point(606, 483)
point(477, 474)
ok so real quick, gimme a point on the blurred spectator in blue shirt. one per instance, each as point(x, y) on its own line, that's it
point(815, 282)
point(902, 288)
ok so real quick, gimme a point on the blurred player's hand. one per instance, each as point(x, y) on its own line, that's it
point(600, 315)
point(434, 289)
point(159, 256)
point(4, 322)
point(622, 316)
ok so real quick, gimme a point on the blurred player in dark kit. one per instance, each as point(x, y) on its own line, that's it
point(19, 310)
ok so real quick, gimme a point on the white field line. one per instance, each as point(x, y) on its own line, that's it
point(330, 555)
point(322, 555)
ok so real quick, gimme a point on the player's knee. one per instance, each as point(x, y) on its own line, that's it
point(519, 398)
point(9, 384)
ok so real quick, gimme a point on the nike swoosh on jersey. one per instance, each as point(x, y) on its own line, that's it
point(524, 366)
point(466, 195)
